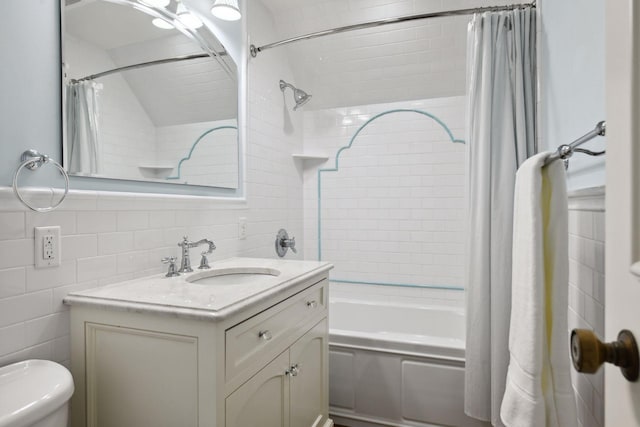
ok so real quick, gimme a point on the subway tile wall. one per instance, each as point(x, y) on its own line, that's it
point(110, 237)
point(214, 160)
point(395, 210)
point(586, 296)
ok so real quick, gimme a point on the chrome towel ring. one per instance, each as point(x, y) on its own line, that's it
point(32, 160)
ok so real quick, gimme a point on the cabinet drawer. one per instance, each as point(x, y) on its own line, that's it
point(267, 332)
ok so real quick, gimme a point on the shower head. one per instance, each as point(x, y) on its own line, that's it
point(301, 97)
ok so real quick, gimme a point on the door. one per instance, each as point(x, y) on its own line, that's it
point(622, 398)
point(264, 399)
point(309, 387)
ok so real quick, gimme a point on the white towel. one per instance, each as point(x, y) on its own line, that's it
point(538, 390)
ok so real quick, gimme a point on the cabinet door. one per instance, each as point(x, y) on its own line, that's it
point(309, 388)
point(263, 400)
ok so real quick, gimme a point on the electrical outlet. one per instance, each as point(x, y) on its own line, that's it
point(47, 246)
point(242, 228)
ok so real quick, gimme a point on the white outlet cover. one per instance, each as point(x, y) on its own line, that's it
point(47, 255)
point(242, 228)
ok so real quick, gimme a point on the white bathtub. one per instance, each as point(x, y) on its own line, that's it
point(396, 365)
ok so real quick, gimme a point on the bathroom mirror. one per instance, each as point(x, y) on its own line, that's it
point(150, 94)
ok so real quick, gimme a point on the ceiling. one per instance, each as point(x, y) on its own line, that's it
point(177, 93)
point(414, 60)
point(108, 25)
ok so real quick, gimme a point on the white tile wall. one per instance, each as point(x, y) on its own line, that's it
point(586, 298)
point(395, 210)
point(214, 160)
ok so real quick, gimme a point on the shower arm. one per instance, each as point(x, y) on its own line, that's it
point(284, 85)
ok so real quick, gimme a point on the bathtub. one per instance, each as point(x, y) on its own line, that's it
point(396, 365)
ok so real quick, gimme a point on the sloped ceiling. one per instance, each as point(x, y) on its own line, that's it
point(176, 93)
point(414, 60)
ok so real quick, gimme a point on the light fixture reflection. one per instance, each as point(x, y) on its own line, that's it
point(227, 10)
point(161, 23)
point(156, 3)
point(187, 18)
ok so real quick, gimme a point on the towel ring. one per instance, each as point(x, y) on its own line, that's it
point(32, 160)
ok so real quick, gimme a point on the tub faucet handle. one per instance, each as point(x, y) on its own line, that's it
point(291, 244)
point(283, 243)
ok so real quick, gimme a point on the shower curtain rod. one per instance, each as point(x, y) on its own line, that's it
point(146, 64)
point(566, 150)
point(255, 50)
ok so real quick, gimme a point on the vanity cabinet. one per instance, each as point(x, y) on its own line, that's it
point(289, 391)
point(263, 365)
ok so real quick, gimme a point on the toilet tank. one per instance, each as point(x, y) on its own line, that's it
point(34, 393)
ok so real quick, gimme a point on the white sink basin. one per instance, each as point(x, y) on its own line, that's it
point(232, 276)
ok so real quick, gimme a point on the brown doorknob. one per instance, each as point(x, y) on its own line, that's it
point(588, 353)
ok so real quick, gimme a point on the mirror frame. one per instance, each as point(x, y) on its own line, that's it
point(79, 182)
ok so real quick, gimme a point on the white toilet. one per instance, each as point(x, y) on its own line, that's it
point(35, 393)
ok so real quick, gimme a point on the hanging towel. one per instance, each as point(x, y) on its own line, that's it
point(538, 390)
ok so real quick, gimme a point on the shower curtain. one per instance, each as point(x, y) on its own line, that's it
point(82, 128)
point(501, 135)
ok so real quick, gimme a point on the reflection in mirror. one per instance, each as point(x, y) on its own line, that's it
point(144, 102)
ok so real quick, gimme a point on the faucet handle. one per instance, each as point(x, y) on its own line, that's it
point(172, 266)
point(291, 244)
point(283, 242)
point(212, 247)
point(204, 261)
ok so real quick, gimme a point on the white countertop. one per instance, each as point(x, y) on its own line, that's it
point(175, 296)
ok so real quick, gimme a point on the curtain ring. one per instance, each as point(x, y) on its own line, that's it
point(32, 160)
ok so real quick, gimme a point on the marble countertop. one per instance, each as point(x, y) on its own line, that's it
point(176, 296)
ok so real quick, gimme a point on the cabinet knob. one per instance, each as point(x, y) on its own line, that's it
point(293, 371)
point(312, 304)
point(265, 335)
point(588, 353)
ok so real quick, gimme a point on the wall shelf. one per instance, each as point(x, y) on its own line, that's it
point(318, 157)
point(156, 171)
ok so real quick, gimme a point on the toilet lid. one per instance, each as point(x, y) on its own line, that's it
point(31, 390)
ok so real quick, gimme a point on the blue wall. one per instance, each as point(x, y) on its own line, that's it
point(29, 82)
point(572, 82)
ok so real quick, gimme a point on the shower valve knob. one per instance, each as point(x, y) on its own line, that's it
point(284, 243)
point(588, 353)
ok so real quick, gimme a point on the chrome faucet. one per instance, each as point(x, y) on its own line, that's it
point(185, 265)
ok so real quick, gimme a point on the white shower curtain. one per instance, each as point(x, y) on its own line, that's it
point(82, 128)
point(501, 135)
